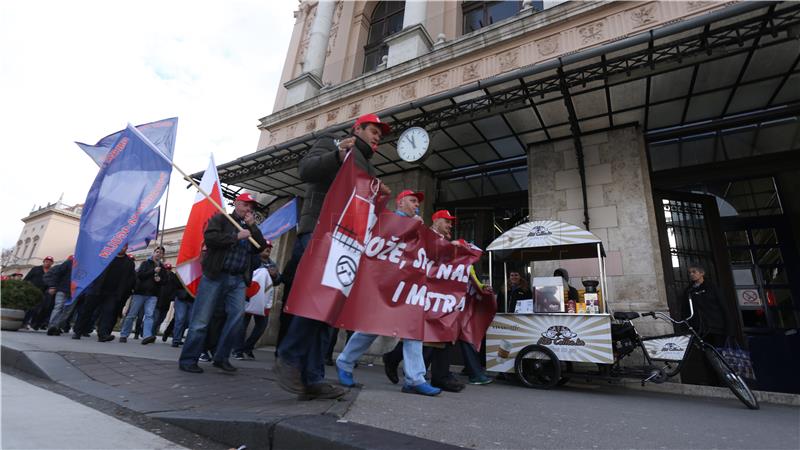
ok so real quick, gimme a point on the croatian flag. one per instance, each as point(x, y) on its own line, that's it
point(190, 254)
point(161, 134)
point(132, 179)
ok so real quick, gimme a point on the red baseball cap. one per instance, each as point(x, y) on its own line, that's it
point(373, 118)
point(269, 243)
point(168, 266)
point(48, 258)
point(443, 214)
point(420, 196)
point(246, 197)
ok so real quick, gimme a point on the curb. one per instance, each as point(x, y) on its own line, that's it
point(273, 433)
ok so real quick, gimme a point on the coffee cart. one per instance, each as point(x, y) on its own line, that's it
point(546, 338)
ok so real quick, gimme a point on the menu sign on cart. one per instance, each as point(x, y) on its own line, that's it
point(578, 338)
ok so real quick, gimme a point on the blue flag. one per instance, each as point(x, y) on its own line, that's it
point(279, 222)
point(161, 133)
point(130, 183)
point(147, 231)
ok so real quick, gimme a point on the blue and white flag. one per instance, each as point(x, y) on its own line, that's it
point(279, 222)
point(147, 231)
point(161, 134)
point(132, 179)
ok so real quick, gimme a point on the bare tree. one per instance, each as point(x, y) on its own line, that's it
point(8, 257)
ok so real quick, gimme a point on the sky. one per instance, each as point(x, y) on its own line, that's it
point(79, 70)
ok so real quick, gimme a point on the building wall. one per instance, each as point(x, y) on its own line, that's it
point(621, 212)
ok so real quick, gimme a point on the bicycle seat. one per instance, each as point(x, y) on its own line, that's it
point(625, 315)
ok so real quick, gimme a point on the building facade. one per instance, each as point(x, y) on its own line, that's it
point(668, 129)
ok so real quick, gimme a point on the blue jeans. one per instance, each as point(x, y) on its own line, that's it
point(137, 302)
point(413, 364)
point(183, 311)
point(229, 289)
point(259, 326)
point(58, 307)
point(472, 359)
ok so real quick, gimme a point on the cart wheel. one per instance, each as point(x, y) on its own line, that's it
point(566, 366)
point(537, 367)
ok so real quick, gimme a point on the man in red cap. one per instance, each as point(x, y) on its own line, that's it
point(300, 366)
point(227, 270)
point(37, 316)
point(443, 223)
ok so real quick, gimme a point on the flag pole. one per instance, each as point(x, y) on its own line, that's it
point(187, 177)
point(164, 226)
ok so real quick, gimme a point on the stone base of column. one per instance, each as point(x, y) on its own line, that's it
point(408, 44)
point(305, 86)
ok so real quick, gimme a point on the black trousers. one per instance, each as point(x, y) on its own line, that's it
point(438, 359)
point(100, 306)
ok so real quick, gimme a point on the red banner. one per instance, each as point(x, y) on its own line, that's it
point(386, 274)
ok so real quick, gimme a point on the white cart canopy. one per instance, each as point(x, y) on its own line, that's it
point(543, 240)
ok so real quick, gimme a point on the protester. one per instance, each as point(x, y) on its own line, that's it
point(103, 294)
point(414, 366)
point(170, 285)
point(300, 364)
point(145, 295)
point(58, 280)
point(183, 311)
point(245, 350)
point(226, 272)
point(36, 317)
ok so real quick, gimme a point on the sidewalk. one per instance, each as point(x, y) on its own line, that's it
point(248, 407)
point(28, 410)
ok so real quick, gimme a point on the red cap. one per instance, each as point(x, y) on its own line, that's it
point(246, 197)
point(48, 258)
point(269, 243)
point(420, 196)
point(443, 214)
point(372, 118)
point(168, 266)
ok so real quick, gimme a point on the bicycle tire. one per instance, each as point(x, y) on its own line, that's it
point(537, 367)
point(732, 379)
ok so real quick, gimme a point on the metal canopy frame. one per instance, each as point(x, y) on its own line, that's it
point(678, 76)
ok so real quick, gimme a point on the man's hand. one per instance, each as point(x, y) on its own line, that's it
point(244, 234)
point(273, 272)
point(249, 218)
point(385, 189)
point(51, 291)
point(345, 145)
point(158, 269)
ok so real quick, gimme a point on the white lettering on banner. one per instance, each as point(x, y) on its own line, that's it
point(419, 295)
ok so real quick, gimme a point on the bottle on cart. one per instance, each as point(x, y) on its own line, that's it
point(590, 297)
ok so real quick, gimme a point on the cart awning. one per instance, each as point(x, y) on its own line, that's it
point(546, 240)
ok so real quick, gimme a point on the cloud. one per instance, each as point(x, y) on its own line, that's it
point(77, 71)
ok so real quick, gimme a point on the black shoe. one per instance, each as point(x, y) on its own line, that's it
point(323, 391)
point(53, 331)
point(390, 370)
point(192, 368)
point(164, 337)
point(176, 344)
point(289, 377)
point(239, 356)
point(205, 357)
point(106, 338)
point(123, 339)
point(449, 386)
point(76, 336)
point(250, 355)
point(148, 340)
point(224, 365)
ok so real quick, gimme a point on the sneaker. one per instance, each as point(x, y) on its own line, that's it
point(481, 379)
point(322, 391)
point(123, 339)
point(289, 378)
point(422, 389)
point(148, 340)
point(345, 377)
point(390, 370)
point(205, 357)
point(250, 355)
point(239, 356)
point(53, 331)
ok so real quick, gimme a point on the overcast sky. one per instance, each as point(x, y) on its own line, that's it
point(79, 70)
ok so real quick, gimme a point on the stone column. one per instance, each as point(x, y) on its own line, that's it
point(413, 41)
point(309, 82)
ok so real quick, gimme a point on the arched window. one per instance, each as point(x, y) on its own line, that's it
point(387, 19)
point(35, 243)
point(19, 247)
point(482, 14)
point(27, 242)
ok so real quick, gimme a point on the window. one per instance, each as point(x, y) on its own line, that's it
point(482, 14)
point(387, 19)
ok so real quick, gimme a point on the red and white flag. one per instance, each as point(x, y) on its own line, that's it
point(189, 256)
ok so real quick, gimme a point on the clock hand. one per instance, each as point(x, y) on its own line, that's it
point(411, 138)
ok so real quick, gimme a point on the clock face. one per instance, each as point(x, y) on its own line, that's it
point(413, 144)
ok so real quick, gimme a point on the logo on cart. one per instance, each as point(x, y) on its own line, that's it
point(671, 347)
point(539, 230)
point(560, 335)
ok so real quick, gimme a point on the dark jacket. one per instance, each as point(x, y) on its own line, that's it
point(318, 168)
point(146, 283)
point(36, 277)
point(117, 280)
point(514, 293)
point(59, 277)
point(710, 313)
point(220, 235)
point(169, 289)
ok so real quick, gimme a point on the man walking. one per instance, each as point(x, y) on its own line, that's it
point(414, 367)
point(259, 322)
point(38, 314)
point(226, 271)
point(57, 280)
point(145, 295)
point(300, 364)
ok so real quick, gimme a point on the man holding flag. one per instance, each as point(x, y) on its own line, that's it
point(226, 272)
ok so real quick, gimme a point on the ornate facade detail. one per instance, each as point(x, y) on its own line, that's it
point(337, 14)
point(644, 15)
point(380, 100)
point(471, 70)
point(547, 46)
point(310, 13)
point(508, 60)
point(591, 33)
point(697, 5)
point(439, 81)
point(408, 91)
point(354, 109)
point(311, 125)
point(332, 115)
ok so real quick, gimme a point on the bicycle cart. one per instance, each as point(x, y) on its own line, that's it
point(545, 349)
